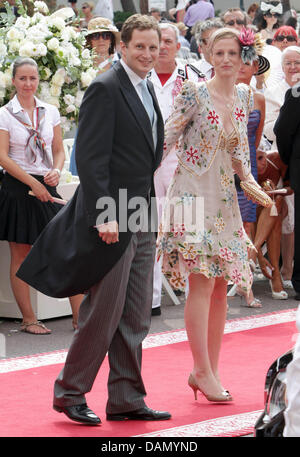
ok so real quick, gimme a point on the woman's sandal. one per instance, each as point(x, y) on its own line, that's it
point(256, 303)
point(25, 328)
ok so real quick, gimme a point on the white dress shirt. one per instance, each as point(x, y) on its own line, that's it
point(135, 81)
point(205, 67)
point(18, 134)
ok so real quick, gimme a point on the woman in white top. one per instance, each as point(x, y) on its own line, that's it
point(32, 155)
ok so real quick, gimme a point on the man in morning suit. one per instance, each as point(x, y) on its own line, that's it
point(118, 148)
point(287, 131)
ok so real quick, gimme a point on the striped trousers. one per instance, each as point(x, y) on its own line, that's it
point(114, 318)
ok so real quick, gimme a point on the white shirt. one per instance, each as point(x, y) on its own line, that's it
point(134, 78)
point(205, 67)
point(104, 8)
point(135, 81)
point(18, 134)
point(274, 100)
point(164, 93)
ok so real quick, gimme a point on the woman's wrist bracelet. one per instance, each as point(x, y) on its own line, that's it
point(57, 170)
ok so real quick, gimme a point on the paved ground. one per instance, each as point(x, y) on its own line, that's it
point(20, 344)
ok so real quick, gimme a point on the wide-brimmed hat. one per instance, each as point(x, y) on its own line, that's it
point(263, 62)
point(102, 24)
point(263, 65)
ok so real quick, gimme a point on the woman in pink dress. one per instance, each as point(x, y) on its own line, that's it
point(209, 126)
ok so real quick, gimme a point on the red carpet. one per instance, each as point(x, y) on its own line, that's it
point(26, 395)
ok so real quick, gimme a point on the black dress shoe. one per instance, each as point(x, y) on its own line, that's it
point(156, 311)
point(297, 296)
point(79, 413)
point(142, 414)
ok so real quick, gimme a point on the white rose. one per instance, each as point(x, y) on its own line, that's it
point(59, 77)
point(54, 101)
point(15, 34)
point(53, 44)
point(26, 49)
point(41, 7)
point(92, 73)
point(14, 46)
point(41, 50)
point(86, 54)
point(22, 22)
point(69, 99)
point(46, 97)
point(8, 78)
point(70, 108)
point(79, 97)
point(86, 79)
point(55, 90)
point(65, 34)
point(57, 22)
point(36, 18)
point(47, 73)
point(74, 61)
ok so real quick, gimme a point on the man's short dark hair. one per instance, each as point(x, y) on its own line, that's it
point(138, 22)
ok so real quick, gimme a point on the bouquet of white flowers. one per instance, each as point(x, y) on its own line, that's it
point(65, 65)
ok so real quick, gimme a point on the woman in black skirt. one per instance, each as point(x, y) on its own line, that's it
point(32, 156)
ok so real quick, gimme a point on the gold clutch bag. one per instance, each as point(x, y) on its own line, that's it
point(256, 194)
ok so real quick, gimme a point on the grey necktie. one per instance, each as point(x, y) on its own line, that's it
point(147, 100)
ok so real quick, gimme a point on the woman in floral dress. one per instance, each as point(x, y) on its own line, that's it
point(209, 126)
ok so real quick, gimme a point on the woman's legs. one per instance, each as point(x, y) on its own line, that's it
point(216, 323)
point(20, 289)
point(205, 329)
point(287, 254)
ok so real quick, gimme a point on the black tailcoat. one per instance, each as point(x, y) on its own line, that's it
point(114, 150)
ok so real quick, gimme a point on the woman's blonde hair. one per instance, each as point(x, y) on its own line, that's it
point(222, 34)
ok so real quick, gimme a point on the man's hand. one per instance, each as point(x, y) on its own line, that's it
point(109, 232)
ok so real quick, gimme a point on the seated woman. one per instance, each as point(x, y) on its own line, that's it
point(271, 175)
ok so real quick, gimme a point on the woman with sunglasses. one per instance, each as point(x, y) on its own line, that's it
point(267, 18)
point(87, 11)
point(284, 37)
point(101, 38)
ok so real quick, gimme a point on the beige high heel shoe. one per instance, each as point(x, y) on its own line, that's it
point(224, 396)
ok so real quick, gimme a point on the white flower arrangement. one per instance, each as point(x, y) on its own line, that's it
point(65, 64)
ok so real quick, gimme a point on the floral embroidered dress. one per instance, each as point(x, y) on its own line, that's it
point(202, 230)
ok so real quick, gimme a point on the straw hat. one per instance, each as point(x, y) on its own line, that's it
point(102, 24)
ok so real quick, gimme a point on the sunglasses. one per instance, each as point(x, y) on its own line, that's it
point(235, 21)
point(269, 14)
point(103, 35)
point(289, 38)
